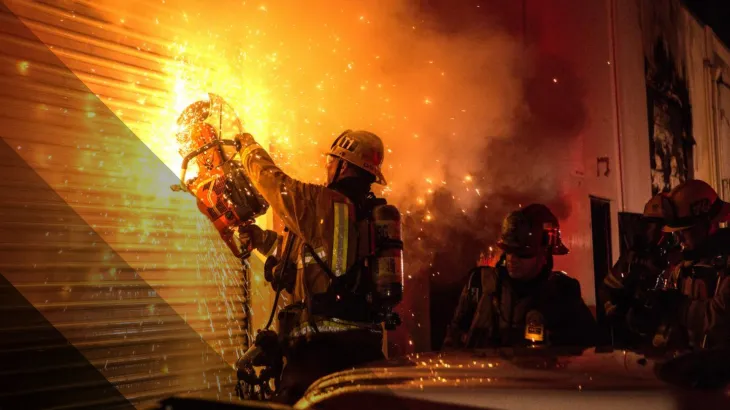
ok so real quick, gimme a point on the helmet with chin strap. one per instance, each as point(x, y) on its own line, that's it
point(362, 149)
point(530, 228)
point(693, 202)
point(657, 208)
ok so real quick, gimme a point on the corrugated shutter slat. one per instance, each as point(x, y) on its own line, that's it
point(131, 274)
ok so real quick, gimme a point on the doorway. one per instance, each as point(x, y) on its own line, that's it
point(602, 253)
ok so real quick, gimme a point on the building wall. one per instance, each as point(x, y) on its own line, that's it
point(699, 47)
point(722, 121)
point(578, 34)
point(716, 86)
point(706, 59)
point(699, 74)
point(603, 43)
point(632, 112)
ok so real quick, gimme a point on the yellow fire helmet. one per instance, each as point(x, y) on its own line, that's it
point(363, 149)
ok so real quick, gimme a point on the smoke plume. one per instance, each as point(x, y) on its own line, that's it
point(299, 73)
point(469, 130)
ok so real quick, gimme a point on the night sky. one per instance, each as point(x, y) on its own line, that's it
point(714, 13)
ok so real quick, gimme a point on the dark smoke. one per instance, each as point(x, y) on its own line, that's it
point(456, 89)
point(522, 168)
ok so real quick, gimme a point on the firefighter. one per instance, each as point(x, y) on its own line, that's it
point(697, 293)
point(623, 291)
point(522, 301)
point(319, 261)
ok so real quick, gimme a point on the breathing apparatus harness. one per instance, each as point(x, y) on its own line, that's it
point(371, 287)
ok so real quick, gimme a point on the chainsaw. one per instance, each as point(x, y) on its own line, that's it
point(223, 191)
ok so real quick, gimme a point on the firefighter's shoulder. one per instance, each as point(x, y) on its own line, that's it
point(475, 275)
point(563, 281)
point(324, 196)
point(480, 275)
point(559, 276)
point(487, 277)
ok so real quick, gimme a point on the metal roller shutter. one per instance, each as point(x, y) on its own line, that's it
point(127, 271)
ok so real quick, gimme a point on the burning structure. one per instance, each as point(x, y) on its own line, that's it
point(483, 107)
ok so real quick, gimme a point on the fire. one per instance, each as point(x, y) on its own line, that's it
point(297, 83)
point(298, 74)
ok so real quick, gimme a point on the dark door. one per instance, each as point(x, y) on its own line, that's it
point(602, 258)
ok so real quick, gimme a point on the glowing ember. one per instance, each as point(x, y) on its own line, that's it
point(293, 82)
point(298, 82)
point(23, 67)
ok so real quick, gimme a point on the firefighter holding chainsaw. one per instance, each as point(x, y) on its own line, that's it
point(340, 258)
point(522, 301)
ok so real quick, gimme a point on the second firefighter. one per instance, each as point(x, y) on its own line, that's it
point(522, 301)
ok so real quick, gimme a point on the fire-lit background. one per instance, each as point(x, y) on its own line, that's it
point(476, 115)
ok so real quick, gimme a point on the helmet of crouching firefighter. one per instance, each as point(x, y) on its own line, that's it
point(530, 228)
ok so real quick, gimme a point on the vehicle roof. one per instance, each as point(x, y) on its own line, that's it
point(472, 378)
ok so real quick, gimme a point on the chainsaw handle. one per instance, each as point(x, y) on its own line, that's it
point(195, 153)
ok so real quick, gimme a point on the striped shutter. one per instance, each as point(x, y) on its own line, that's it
point(90, 233)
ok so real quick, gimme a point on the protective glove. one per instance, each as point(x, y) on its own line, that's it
point(251, 236)
point(243, 140)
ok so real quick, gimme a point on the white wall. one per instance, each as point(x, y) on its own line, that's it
point(577, 33)
point(633, 127)
point(604, 44)
point(707, 59)
point(703, 54)
point(699, 76)
point(720, 137)
point(722, 122)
